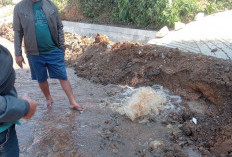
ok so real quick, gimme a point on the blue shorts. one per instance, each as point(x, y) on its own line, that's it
point(52, 63)
point(9, 143)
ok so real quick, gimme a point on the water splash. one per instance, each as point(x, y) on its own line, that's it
point(143, 101)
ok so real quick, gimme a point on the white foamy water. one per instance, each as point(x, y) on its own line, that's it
point(145, 101)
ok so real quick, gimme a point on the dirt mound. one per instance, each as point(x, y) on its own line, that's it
point(75, 46)
point(6, 31)
point(189, 75)
point(194, 77)
point(211, 134)
point(72, 13)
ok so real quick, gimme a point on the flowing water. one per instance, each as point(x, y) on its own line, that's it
point(98, 131)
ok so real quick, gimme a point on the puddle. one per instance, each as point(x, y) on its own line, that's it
point(98, 131)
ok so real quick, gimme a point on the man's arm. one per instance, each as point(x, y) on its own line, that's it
point(61, 39)
point(18, 32)
point(18, 37)
point(12, 108)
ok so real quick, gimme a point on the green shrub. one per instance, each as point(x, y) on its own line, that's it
point(213, 6)
point(61, 4)
point(5, 2)
point(94, 8)
point(155, 13)
point(140, 12)
point(184, 10)
point(146, 13)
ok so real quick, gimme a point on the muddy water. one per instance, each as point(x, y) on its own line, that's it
point(98, 131)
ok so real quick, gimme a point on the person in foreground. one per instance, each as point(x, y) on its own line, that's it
point(39, 23)
point(12, 108)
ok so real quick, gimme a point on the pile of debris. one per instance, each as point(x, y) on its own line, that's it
point(6, 31)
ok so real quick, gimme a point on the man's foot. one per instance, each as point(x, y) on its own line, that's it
point(49, 102)
point(76, 107)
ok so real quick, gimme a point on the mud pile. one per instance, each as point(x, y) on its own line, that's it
point(75, 46)
point(195, 77)
point(6, 31)
point(190, 75)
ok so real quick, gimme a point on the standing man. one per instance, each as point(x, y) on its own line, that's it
point(11, 107)
point(39, 23)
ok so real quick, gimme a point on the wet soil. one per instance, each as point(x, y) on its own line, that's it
point(203, 82)
point(98, 131)
point(190, 75)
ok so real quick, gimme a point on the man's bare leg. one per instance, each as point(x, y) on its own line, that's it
point(45, 89)
point(68, 90)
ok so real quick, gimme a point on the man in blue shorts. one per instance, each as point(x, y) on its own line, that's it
point(39, 23)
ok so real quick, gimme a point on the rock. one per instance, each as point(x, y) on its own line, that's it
point(199, 16)
point(165, 123)
point(23, 149)
point(194, 120)
point(156, 144)
point(112, 146)
point(172, 148)
point(189, 129)
point(102, 39)
point(107, 103)
point(179, 25)
point(107, 122)
point(183, 143)
point(186, 115)
point(199, 57)
point(115, 151)
point(162, 32)
point(214, 50)
point(227, 69)
point(111, 93)
point(170, 126)
point(153, 73)
point(144, 121)
point(109, 47)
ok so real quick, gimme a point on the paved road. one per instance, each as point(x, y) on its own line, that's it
point(210, 36)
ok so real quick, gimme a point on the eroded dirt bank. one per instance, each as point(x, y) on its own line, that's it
point(203, 82)
point(187, 74)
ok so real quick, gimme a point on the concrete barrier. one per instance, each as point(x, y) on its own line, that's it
point(116, 34)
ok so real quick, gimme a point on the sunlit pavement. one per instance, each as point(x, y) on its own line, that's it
point(212, 36)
